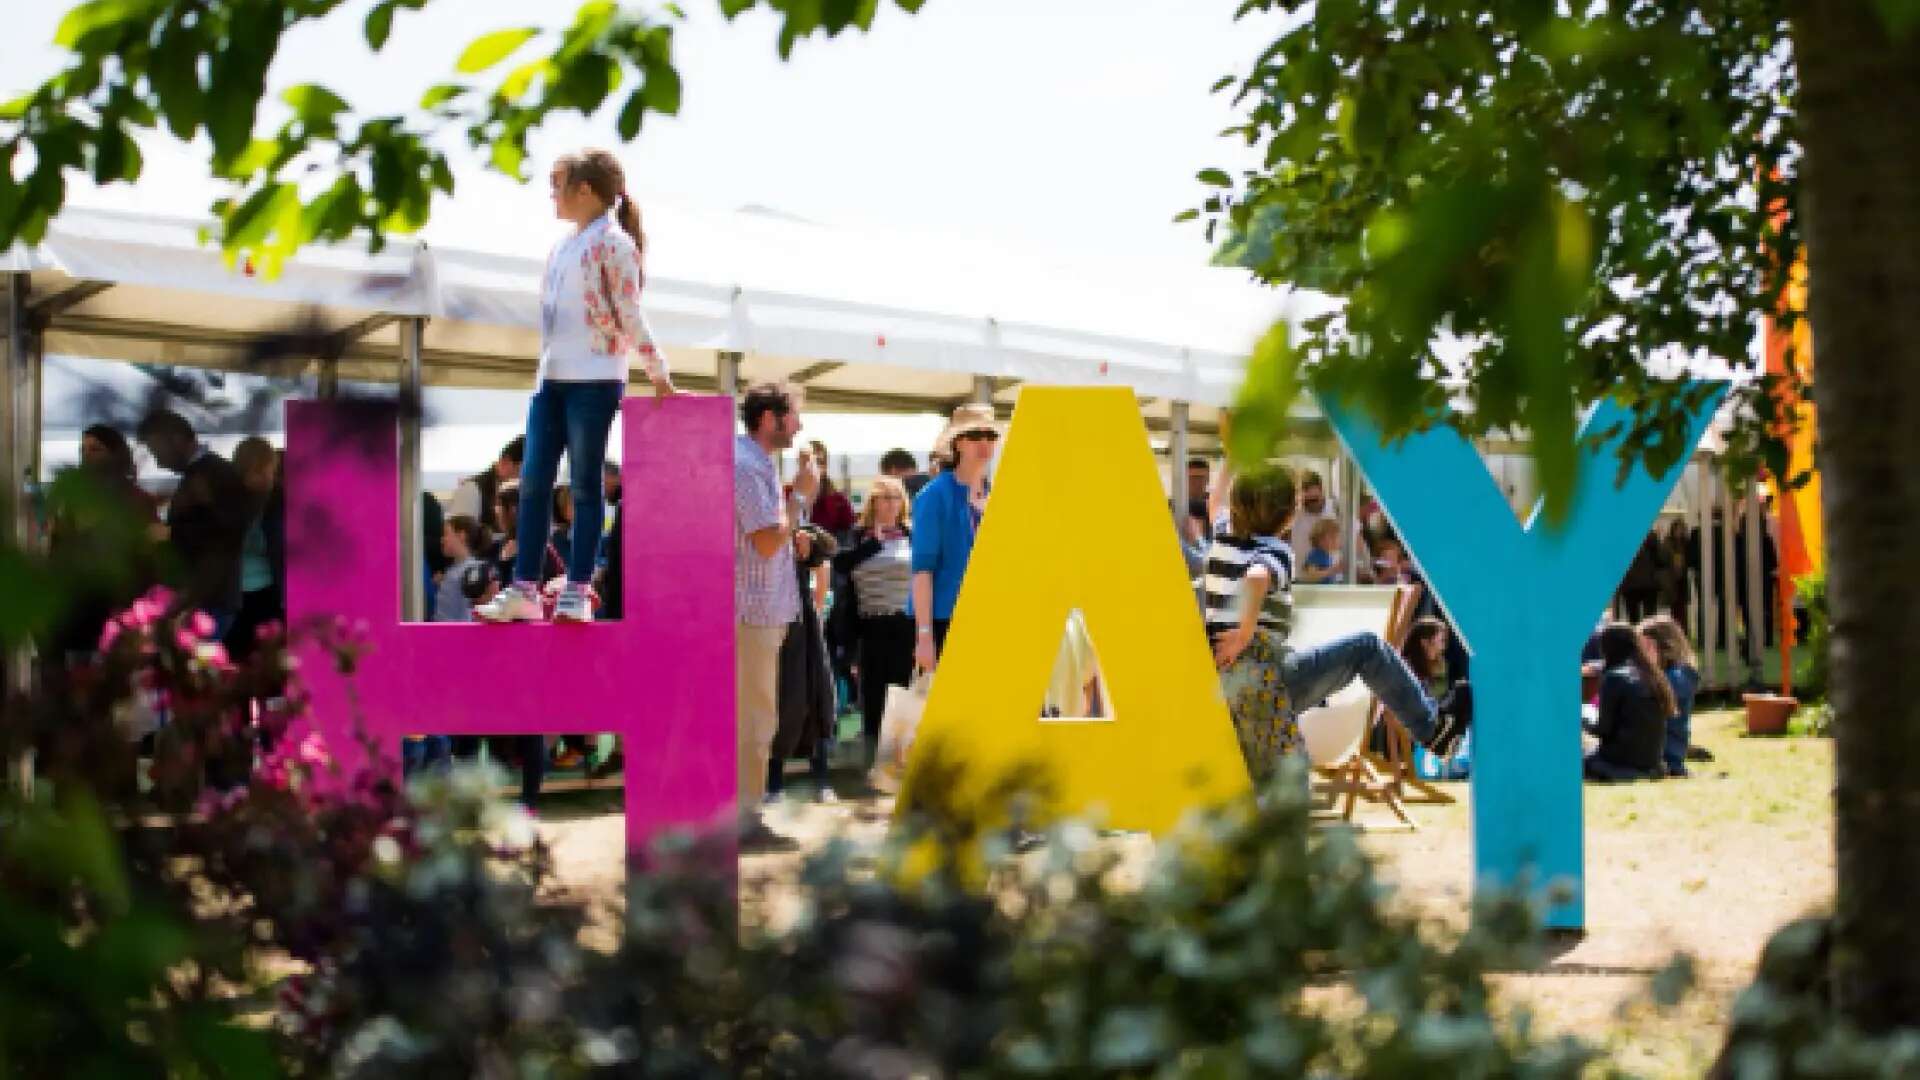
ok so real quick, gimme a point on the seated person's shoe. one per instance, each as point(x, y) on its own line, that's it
point(574, 606)
point(517, 603)
point(567, 758)
point(1447, 729)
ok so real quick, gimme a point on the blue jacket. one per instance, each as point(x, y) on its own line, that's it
point(942, 540)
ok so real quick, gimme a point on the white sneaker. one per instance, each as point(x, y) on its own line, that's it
point(573, 606)
point(511, 604)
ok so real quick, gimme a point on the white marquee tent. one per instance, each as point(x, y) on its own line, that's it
point(864, 321)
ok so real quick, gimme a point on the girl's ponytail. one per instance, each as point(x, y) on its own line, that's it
point(629, 218)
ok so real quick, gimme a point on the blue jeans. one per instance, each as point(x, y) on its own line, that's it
point(1314, 674)
point(1679, 735)
point(574, 417)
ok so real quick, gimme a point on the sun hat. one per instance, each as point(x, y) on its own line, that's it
point(967, 419)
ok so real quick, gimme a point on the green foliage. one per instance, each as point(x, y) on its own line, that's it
point(1568, 197)
point(1784, 1025)
point(327, 172)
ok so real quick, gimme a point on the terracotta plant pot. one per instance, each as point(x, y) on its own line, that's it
point(1767, 714)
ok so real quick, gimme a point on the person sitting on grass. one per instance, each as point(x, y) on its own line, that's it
point(1249, 614)
point(1635, 703)
point(1675, 657)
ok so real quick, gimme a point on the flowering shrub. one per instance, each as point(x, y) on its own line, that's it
point(298, 919)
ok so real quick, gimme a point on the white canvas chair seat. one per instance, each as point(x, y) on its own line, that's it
point(1336, 731)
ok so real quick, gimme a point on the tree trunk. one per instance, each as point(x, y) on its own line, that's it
point(1859, 120)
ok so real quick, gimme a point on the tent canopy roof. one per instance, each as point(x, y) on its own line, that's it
point(864, 321)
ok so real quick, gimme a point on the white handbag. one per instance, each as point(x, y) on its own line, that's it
point(899, 723)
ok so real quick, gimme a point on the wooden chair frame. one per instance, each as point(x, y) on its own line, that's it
point(1363, 775)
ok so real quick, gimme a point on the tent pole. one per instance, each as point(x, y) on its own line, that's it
point(413, 554)
point(1177, 465)
point(730, 373)
point(1709, 593)
point(983, 389)
point(16, 379)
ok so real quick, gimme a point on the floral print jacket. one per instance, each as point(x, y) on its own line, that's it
point(610, 266)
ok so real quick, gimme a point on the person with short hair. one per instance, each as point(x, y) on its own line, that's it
point(591, 325)
point(263, 560)
point(207, 516)
point(1199, 478)
point(1249, 617)
point(1322, 564)
point(1315, 507)
point(900, 465)
point(766, 582)
point(478, 496)
point(947, 514)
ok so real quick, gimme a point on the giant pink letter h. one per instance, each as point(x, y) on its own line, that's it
point(662, 677)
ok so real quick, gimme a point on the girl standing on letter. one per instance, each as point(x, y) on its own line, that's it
point(590, 327)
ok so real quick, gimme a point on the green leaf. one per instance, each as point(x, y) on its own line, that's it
point(509, 154)
point(662, 91)
point(173, 71)
point(314, 104)
point(442, 94)
point(516, 84)
point(115, 156)
point(93, 24)
point(17, 108)
point(490, 49)
point(1214, 178)
point(733, 8)
point(632, 115)
point(379, 25)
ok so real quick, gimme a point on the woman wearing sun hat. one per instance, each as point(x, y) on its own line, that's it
point(946, 515)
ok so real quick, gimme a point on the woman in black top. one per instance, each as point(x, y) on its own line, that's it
point(879, 574)
point(1635, 702)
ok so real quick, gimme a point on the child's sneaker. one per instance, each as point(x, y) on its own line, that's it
point(516, 603)
point(574, 606)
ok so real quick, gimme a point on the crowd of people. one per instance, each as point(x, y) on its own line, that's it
point(834, 602)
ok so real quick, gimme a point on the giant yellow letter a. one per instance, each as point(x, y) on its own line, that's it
point(1077, 520)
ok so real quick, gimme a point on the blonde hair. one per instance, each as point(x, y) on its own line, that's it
point(1323, 527)
point(1669, 641)
point(888, 485)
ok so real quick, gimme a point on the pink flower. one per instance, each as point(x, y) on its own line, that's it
point(108, 634)
point(202, 624)
point(313, 751)
point(185, 640)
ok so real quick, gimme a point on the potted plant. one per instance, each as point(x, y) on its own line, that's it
point(1767, 714)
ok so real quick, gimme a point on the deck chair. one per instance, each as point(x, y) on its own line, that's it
point(1336, 731)
point(1396, 764)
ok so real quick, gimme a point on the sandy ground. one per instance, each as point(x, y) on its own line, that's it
point(1709, 866)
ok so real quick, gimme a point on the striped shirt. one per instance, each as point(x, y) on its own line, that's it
point(1228, 561)
point(884, 577)
point(766, 591)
